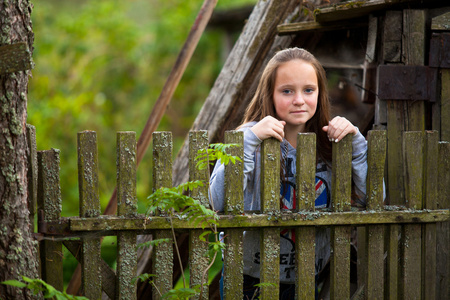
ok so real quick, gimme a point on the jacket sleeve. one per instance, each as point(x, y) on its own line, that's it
point(217, 180)
point(359, 165)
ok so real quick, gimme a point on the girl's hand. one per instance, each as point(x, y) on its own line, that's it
point(338, 128)
point(269, 127)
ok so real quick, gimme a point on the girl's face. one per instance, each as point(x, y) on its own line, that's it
point(295, 94)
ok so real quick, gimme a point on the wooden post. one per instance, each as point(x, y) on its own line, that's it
point(126, 207)
point(443, 229)
point(49, 201)
point(374, 270)
point(91, 276)
point(411, 249)
point(305, 236)
point(198, 262)
point(270, 203)
point(234, 205)
point(340, 235)
point(430, 194)
point(162, 259)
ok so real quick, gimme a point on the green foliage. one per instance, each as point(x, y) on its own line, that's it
point(101, 65)
point(215, 152)
point(173, 200)
point(153, 243)
point(181, 293)
point(37, 286)
point(144, 277)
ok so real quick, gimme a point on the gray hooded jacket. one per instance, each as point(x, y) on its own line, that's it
point(252, 172)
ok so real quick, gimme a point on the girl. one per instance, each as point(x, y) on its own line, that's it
point(291, 97)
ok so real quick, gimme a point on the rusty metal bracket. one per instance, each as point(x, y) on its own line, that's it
point(60, 227)
point(399, 82)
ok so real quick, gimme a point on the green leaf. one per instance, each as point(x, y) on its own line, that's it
point(15, 283)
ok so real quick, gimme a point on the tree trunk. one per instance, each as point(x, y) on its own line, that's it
point(17, 248)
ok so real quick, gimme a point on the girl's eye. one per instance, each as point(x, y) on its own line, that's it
point(287, 91)
point(309, 90)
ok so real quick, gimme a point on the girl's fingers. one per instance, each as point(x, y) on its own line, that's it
point(338, 128)
point(269, 127)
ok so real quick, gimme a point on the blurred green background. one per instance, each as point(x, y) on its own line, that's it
point(100, 65)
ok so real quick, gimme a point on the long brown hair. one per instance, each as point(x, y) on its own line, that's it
point(262, 104)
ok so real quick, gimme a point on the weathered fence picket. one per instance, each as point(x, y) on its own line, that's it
point(374, 234)
point(341, 190)
point(405, 234)
point(430, 194)
point(234, 205)
point(162, 259)
point(91, 278)
point(270, 204)
point(198, 261)
point(410, 270)
point(126, 207)
point(49, 206)
point(305, 237)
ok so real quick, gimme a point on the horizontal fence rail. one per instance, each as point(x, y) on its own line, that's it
point(396, 244)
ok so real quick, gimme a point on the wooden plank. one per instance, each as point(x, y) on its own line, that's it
point(126, 207)
point(295, 28)
point(354, 9)
point(234, 204)
point(376, 158)
point(392, 247)
point(395, 182)
point(413, 43)
point(270, 203)
point(392, 36)
point(413, 50)
point(340, 235)
point(413, 149)
point(14, 58)
point(316, 218)
point(443, 229)
point(198, 262)
point(405, 115)
point(374, 288)
point(257, 41)
point(49, 200)
point(411, 244)
point(445, 105)
point(368, 92)
point(306, 171)
point(234, 186)
point(305, 236)
point(410, 285)
point(91, 276)
point(32, 174)
point(429, 263)
point(375, 258)
point(162, 255)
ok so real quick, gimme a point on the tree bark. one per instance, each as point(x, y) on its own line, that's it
point(17, 248)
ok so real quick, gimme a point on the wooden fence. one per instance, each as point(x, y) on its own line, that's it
point(397, 245)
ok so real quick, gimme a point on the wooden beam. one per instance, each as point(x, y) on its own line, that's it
point(293, 28)
point(114, 223)
point(354, 9)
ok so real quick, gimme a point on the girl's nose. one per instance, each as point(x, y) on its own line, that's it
point(298, 100)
